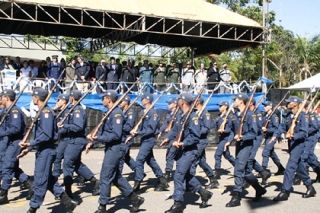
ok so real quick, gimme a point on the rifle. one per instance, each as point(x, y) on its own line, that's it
point(296, 116)
point(261, 100)
point(14, 102)
point(224, 122)
point(239, 131)
point(135, 128)
point(169, 127)
point(205, 104)
point(316, 106)
point(94, 132)
point(35, 119)
point(179, 136)
point(265, 125)
point(311, 102)
point(131, 104)
point(74, 106)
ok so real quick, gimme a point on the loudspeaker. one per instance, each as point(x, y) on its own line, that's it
point(276, 95)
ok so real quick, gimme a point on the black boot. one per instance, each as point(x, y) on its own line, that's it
point(235, 200)
point(101, 209)
point(317, 170)
point(136, 186)
point(245, 184)
point(205, 197)
point(3, 197)
point(167, 176)
point(217, 174)
point(259, 191)
point(82, 181)
point(311, 192)
point(259, 174)
point(22, 186)
point(163, 185)
point(68, 190)
point(280, 169)
point(282, 196)
point(96, 189)
point(296, 180)
point(69, 204)
point(137, 201)
point(29, 185)
point(32, 210)
point(213, 183)
point(265, 175)
point(175, 208)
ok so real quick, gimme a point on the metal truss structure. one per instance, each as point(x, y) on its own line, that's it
point(108, 28)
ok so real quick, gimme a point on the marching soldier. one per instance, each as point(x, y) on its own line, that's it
point(226, 136)
point(296, 148)
point(187, 154)
point(173, 75)
point(244, 143)
point(160, 77)
point(76, 125)
point(54, 71)
point(3, 140)
point(111, 135)
point(45, 136)
point(148, 130)
point(14, 129)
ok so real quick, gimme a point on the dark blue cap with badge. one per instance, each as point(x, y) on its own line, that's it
point(110, 93)
point(127, 98)
point(172, 101)
point(201, 99)
point(63, 97)
point(148, 96)
point(224, 103)
point(186, 97)
point(267, 103)
point(76, 94)
point(241, 96)
point(253, 101)
point(40, 92)
point(9, 92)
point(293, 99)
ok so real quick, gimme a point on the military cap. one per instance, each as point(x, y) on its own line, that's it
point(9, 92)
point(76, 94)
point(267, 103)
point(187, 97)
point(127, 98)
point(40, 92)
point(110, 93)
point(293, 99)
point(172, 101)
point(242, 96)
point(63, 97)
point(145, 61)
point(148, 96)
point(224, 103)
point(55, 56)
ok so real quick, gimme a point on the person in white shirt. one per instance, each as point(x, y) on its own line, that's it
point(187, 77)
point(225, 78)
point(33, 69)
point(25, 70)
point(200, 78)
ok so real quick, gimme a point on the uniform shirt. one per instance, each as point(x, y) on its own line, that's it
point(313, 125)
point(14, 124)
point(228, 127)
point(129, 121)
point(150, 124)
point(301, 129)
point(76, 123)
point(259, 120)
point(63, 132)
point(166, 121)
point(45, 130)
point(54, 70)
point(205, 123)
point(173, 75)
point(187, 76)
point(146, 74)
point(273, 124)
point(249, 128)
point(160, 75)
point(111, 130)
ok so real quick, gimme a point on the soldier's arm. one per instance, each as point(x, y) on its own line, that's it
point(78, 121)
point(128, 126)
point(194, 132)
point(14, 126)
point(252, 129)
point(302, 132)
point(115, 130)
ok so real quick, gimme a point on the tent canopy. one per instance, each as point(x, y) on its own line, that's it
point(307, 84)
point(172, 23)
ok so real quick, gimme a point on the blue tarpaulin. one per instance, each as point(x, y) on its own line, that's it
point(93, 101)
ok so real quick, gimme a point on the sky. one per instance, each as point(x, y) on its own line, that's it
point(302, 17)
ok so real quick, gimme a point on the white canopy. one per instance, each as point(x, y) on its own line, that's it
point(307, 84)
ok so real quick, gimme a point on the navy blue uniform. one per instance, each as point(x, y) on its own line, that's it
point(129, 122)
point(187, 155)
point(296, 148)
point(45, 136)
point(3, 144)
point(111, 134)
point(14, 130)
point(76, 127)
point(148, 130)
point(226, 136)
point(54, 71)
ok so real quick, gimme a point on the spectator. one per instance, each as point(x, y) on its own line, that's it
point(48, 60)
point(101, 70)
point(42, 69)
point(225, 78)
point(92, 73)
point(7, 64)
point(33, 69)
point(127, 75)
point(63, 63)
point(25, 71)
point(213, 76)
point(160, 77)
point(1, 63)
point(146, 75)
point(200, 78)
point(82, 71)
point(70, 74)
point(17, 66)
point(187, 77)
point(112, 77)
point(173, 75)
point(119, 65)
point(54, 71)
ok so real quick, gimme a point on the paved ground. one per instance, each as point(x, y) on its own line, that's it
point(156, 202)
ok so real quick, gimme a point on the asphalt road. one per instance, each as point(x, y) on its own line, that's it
point(156, 202)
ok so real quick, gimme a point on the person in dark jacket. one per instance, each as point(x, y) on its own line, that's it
point(127, 75)
point(213, 76)
point(82, 72)
point(101, 70)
